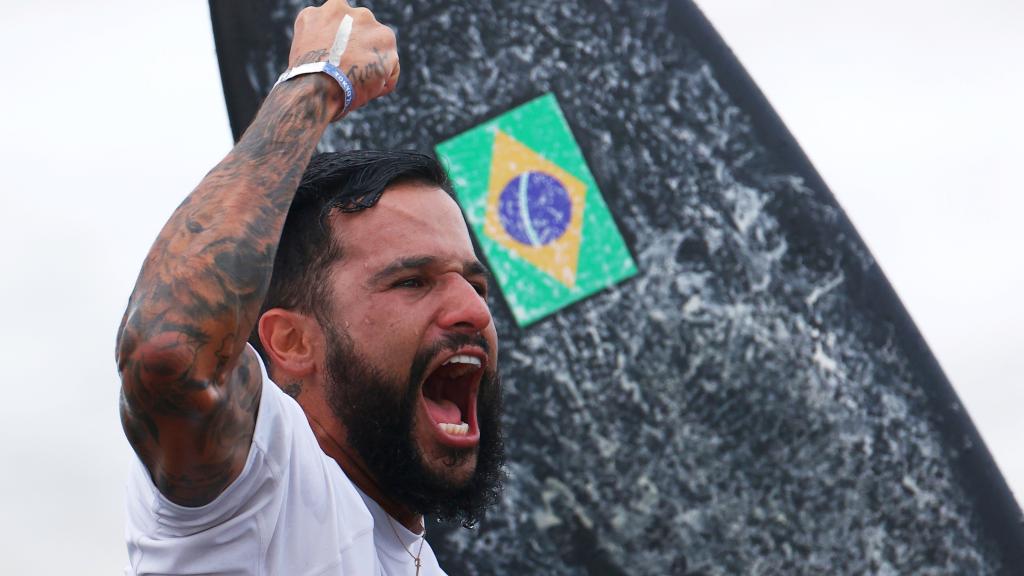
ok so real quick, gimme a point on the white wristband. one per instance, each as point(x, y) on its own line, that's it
point(327, 68)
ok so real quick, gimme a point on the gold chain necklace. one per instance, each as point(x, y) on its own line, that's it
point(416, 557)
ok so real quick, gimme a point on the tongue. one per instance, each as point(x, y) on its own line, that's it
point(443, 411)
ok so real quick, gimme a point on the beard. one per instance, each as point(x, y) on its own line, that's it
point(379, 412)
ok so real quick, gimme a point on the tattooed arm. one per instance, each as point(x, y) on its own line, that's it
point(189, 387)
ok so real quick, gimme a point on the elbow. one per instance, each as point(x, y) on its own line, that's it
point(161, 375)
point(156, 359)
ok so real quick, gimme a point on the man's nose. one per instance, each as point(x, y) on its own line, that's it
point(463, 309)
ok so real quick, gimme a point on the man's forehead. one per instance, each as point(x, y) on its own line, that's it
point(411, 219)
point(414, 192)
point(407, 199)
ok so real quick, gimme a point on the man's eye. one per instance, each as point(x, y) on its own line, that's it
point(480, 288)
point(409, 283)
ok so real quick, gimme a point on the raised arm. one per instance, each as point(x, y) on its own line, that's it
point(189, 388)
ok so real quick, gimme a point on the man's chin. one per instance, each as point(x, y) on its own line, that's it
point(443, 476)
point(449, 469)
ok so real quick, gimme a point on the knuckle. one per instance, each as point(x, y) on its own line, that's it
point(386, 37)
point(304, 14)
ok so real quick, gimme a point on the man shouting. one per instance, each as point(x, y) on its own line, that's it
point(373, 398)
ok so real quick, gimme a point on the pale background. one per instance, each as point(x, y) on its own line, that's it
point(111, 111)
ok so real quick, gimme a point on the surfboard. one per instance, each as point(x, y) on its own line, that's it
point(706, 372)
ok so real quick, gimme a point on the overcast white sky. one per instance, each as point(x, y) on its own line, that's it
point(112, 111)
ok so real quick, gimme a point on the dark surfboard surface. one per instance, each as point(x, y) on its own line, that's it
point(754, 399)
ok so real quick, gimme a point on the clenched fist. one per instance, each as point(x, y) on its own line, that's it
point(370, 59)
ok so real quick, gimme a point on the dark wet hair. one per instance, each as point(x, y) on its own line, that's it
point(333, 182)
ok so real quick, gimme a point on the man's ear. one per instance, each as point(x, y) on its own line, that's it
point(292, 340)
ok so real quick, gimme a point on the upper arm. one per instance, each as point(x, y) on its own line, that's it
point(192, 434)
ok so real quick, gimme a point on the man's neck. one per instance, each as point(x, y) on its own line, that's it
point(355, 469)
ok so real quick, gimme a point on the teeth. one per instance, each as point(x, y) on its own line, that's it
point(455, 429)
point(463, 359)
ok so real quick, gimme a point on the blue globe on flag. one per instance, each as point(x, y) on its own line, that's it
point(534, 208)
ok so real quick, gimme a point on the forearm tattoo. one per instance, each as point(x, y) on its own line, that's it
point(189, 394)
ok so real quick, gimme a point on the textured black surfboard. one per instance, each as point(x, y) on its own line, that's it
point(755, 400)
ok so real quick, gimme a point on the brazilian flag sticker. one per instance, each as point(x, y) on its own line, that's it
point(536, 210)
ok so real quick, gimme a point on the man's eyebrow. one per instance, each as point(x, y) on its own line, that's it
point(469, 268)
point(400, 265)
point(475, 268)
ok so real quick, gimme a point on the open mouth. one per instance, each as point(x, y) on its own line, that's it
point(449, 396)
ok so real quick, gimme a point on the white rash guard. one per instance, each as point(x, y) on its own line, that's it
point(292, 511)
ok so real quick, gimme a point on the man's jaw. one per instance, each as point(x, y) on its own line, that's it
point(448, 396)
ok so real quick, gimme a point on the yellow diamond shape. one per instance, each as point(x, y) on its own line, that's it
point(558, 258)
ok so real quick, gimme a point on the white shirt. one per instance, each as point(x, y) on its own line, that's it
point(292, 511)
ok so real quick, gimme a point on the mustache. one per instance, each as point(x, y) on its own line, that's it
point(447, 343)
